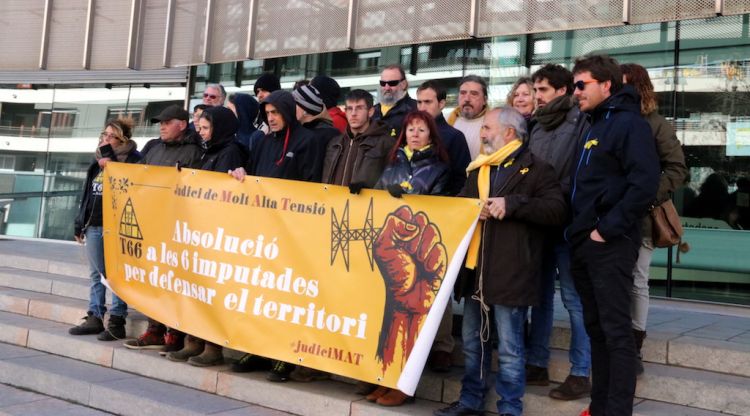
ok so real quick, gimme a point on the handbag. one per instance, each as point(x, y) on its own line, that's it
point(666, 229)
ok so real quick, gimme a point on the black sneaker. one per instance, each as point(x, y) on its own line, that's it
point(280, 372)
point(250, 362)
point(115, 329)
point(457, 409)
point(90, 326)
point(574, 388)
point(536, 376)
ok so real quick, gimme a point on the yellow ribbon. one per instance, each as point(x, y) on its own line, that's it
point(484, 163)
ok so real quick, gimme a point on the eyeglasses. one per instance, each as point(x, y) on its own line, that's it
point(104, 135)
point(211, 96)
point(581, 84)
point(392, 83)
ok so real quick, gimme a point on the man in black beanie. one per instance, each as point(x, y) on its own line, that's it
point(331, 91)
point(265, 85)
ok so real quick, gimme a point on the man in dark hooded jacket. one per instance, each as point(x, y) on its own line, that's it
point(287, 151)
point(245, 107)
point(615, 179)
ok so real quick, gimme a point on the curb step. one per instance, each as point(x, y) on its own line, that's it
point(328, 397)
point(111, 390)
point(18, 402)
point(40, 300)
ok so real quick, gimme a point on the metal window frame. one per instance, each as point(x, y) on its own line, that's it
point(86, 63)
point(167, 57)
point(135, 23)
point(45, 35)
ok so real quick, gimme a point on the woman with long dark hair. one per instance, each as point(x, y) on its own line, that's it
point(673, 174)
point(418, 162)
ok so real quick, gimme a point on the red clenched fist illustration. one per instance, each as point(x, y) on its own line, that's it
point(412, 259)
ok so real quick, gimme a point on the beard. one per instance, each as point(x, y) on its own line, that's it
point(467, 111)
point(391, 97)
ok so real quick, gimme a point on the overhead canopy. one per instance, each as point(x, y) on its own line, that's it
point(60, 35)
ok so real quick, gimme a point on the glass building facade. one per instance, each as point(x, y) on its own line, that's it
point(700, 69)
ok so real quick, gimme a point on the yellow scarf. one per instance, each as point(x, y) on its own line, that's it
point(409, 153)
point(484, 163)
point(456, 113)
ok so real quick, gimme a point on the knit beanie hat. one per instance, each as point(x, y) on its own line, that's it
point(329, 89)
point(268, 82)
point(309, 99)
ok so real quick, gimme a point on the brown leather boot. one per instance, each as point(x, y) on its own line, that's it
point(378, 393)
point(394, 398)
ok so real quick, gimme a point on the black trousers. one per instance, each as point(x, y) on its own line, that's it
point(603, 275)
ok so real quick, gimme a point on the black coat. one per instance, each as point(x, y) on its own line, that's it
point(186, 151)
point(511, 251)
point(223, 152)
point(394, 118)
point(90, 211)
point(425, 173)
point(275, 156)
point(458, 154)
point(616, 174)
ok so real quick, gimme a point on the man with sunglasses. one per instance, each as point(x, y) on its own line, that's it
point(395, 102)
point(214, 95)
point(557, 126)
point(615, 178)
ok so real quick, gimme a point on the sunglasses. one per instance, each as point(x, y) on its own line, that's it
point(581, 84)
point(211, 96)
point(390, 83)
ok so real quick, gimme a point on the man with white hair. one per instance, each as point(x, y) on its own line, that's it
point(214, 95)
point(522, 196)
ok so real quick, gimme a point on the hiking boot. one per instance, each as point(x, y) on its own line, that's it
point(192, 347)
point(152, 339)
point(211, 355)
point(574, 388)
point(457, 409)
point(250, 362)
point(174, 341)
point(115, 329)
point(363, 389)
point(306, 374)
point(639, 336)
point(394, 397)
point(280, 372)
point(91, 325)
point(440, 361)
point(536, 376)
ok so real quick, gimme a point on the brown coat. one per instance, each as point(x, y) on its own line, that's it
point(366, 160)
point(511, 251)
point(674, 171)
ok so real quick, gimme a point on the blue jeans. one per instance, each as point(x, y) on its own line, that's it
point(510, 380)
point(556, 263)
point(95, 254)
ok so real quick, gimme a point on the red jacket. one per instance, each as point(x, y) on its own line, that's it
point(339, 119)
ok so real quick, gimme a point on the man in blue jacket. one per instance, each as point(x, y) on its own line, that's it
point(614, 182)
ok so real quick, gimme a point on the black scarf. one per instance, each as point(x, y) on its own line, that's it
point(553, 114)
